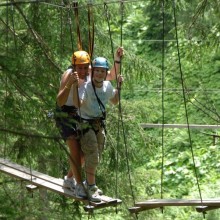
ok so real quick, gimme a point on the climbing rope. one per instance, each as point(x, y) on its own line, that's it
point(79, 40)
point(163, 109)
point(91, 28)
point(120, 112)
point(184, 97)
point(70, 26)
point(119, 104)
point(6, 86)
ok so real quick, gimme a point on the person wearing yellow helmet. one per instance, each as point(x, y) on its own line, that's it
point(92, 100)
point(67, 118)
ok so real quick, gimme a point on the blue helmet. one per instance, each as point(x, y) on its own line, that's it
point(100, 62)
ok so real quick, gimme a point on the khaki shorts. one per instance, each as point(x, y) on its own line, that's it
point(92, 144)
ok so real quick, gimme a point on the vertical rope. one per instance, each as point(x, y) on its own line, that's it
point(13, 27)
point(163, 84)
point(184, 97)
point(117, 147)
point(61, 33)
point(91, 35)
point(70, 26)
point(79, 40)
point(30, 157)
point(5, 116)
point(6, 82)
point(120, 112)
point(119, 106)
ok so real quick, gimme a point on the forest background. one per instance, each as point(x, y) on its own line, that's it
point(171, 72)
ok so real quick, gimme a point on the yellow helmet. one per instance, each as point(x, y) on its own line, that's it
point(80, 57)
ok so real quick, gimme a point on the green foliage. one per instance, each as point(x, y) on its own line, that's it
point(36, 45)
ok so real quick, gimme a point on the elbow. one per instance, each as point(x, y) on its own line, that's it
point(77, 103)
point(59, 102)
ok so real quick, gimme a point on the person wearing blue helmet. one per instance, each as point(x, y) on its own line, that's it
point(91, 102)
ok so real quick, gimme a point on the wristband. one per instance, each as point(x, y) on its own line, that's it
point(116, 61)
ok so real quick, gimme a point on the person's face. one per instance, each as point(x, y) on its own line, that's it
point(82, 70)
point(99, 74)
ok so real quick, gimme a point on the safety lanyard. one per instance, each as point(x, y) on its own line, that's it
point(101, 105)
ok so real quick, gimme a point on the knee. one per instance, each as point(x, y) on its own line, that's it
point(92, 160)
point(90, 149)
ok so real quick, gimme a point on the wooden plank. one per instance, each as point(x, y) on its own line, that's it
point(32, 176)
point(33, 173)
point(31, 187)
point(156, 203)
point(194, 126)
point(39, 182)
point(106, 200)
point(204, 205)
point(104, 203)
point(89, 208)
point(110, 199)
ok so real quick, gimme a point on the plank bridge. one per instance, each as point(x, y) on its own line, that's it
point(39, 179)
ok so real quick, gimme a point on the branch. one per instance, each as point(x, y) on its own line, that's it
point(37, 38)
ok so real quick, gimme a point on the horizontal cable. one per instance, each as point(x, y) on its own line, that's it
point(64, 6)
point(195, 126)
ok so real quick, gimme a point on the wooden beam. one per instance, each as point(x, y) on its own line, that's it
point(193, 126)
point(102, 204)
point(156, 203)
point(202, 206)
point(106, 200)
point(204, 209)
point(31, 187)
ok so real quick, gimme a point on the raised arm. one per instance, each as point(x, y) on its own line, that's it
point(76, 100)
point(115, 99)
point(65, 87)
point(117, 63)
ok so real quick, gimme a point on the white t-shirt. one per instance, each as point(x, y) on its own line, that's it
point(91, 108)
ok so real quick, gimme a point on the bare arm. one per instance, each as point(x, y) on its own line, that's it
point(117, 63)
point(115, 99)
point(76, 101)
point(66, 82)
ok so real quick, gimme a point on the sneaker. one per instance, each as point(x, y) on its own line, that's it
point(69, 183)
point(80, 191)
point(100, 192)
point(93, 194)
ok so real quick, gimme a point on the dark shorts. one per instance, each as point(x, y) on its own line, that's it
point(67, 120)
